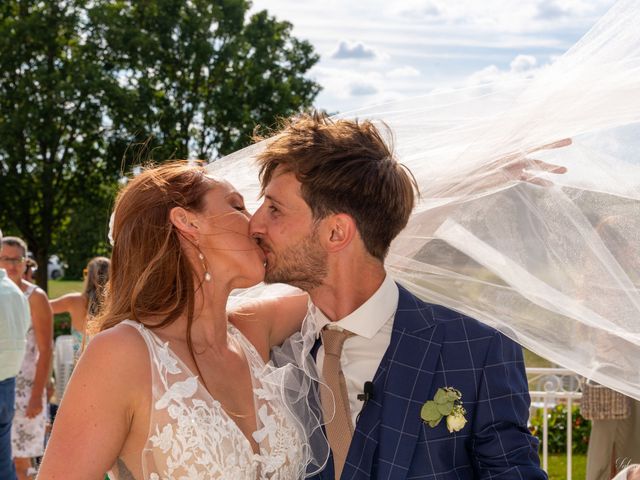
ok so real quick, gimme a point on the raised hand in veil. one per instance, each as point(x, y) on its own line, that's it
point(553, 261)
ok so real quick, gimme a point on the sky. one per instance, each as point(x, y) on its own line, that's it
point(375, 51)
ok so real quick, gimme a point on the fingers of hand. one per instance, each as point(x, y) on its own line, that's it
point(529, 178)
point(565, 142)
point(533, 164)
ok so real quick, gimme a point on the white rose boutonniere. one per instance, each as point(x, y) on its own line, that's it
point(447, 402)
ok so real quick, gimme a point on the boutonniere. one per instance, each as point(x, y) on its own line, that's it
point(447, 402)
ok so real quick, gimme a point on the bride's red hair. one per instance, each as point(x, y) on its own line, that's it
point(150, 276)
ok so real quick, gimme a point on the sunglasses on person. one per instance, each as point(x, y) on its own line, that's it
point(12, 260)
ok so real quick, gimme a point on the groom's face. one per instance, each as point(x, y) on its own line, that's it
point(288, 235)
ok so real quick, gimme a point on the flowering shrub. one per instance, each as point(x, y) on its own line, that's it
point(557, 424)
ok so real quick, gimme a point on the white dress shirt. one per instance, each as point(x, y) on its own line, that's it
point(371, 323)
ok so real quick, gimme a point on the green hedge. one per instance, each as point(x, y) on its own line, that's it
point(557, 424)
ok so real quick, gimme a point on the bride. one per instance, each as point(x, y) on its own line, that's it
point(171, 388)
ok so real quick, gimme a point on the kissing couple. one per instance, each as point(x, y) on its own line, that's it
point(178, 385)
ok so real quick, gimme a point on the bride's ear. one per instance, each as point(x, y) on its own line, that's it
point(184, 221)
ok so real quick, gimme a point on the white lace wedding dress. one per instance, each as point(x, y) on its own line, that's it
point(192, 437)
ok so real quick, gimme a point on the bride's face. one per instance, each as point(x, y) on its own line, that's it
point(224, 238)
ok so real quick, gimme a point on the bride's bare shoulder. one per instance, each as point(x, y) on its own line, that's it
point(119, 350)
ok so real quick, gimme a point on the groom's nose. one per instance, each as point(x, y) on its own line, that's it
point(256, 224)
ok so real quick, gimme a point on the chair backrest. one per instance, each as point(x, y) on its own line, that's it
point(63, 363)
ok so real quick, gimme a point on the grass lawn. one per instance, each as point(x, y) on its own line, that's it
point(558, 467)
point(58, 288)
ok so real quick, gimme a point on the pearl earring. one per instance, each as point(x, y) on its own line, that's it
point(207, 275)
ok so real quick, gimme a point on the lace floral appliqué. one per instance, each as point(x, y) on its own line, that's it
point(192, 437)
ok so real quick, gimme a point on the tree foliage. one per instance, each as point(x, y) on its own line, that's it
point(52, 89)
point(88, 88)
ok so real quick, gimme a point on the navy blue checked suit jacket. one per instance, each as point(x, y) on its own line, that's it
point(433, 347)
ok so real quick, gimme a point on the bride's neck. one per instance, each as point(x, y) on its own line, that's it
point(210, 316)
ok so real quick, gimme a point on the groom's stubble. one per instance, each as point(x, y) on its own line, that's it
point(303, 264)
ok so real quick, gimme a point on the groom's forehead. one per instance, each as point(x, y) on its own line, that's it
point(284, 181)
point(285, 190)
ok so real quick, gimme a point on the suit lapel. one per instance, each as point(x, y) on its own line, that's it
point(404, 380)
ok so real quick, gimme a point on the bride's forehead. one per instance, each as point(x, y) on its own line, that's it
point(221, 187)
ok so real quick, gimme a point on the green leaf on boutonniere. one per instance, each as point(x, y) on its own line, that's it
point(447, 404)
point(441, 396)
point(430, 413)
point(445, 408)
point(435, 423)
point(453, 394)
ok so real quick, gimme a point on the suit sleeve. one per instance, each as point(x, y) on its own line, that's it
point(502, 445)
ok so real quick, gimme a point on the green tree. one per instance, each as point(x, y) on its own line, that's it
point(83, 234)
point(89, 87)
point(52, 88)
point(200, 75)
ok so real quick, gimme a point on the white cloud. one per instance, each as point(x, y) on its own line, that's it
point(555, 9)
point(489, 16)
point(357, 50)
point(486, 75)
point(391, 46)
point(404, 72)
point(349, 89)
point(522, 63)
point(342, 83)
point(525, 65)
point(425, 10)
point(363, 88)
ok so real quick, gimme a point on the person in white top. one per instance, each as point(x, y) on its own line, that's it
point(30, 421)
point(15, 319)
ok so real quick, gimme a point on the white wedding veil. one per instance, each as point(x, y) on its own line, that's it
point(555, 267)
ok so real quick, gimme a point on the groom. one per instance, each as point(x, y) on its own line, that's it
point(334, 199)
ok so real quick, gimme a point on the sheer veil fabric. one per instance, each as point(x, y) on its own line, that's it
point(555, 267)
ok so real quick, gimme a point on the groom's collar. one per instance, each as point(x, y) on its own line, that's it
point(369, 317)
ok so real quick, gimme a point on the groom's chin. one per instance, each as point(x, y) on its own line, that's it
point(274, 277)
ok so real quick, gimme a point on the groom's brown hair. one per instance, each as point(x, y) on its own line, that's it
point(345, 166)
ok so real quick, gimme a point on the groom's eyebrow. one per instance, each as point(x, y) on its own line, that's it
point(271, 199)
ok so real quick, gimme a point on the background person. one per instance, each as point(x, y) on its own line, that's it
point(30, 269)
point(15, 319)
point(30, 418)
point(614, 443)
point(85, 306)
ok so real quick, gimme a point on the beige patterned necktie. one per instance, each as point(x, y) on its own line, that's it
point(339, 429)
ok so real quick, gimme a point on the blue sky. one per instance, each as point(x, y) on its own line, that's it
point(375, 51)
